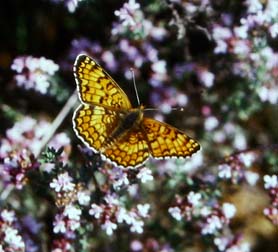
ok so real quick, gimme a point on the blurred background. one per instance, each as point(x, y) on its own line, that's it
point(216, 59)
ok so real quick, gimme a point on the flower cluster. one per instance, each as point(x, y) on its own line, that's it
point(11, 240)
point(256, 60)
point(111, 213)
point(127, 14)
point(15, 166)
point(271, 185)
point(19, 149)
point(235, 169)
point(34, 73)
point(231, 244)
point(211, 219)
point(70, 198)
point(150, 244)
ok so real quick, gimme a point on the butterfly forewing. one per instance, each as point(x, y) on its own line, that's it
point(96, 87)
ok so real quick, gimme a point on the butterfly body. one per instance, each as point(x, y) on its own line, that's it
point(108, 124)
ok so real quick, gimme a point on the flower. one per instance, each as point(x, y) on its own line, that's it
point(143, 210)
point(72, 212)
point(137, 226)
point(62, 183)
point(96, 211)
point(229, 210)
point(83, 198)
point(273, 30)
point(59, 224)
point(13, 239)
point(127, 13)
point(175, 212)
point(211, 123)
point(270, 181)
point(224, 171)
point(213, 223)
point(70, 4)
point(145, 175)
point(251, 177)
point(194, 199)
point(34, 73)
point(8, 216)
point(109, 227)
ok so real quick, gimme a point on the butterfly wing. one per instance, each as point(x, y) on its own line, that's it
point(94, 125)
point(167, 141)
point(96, 87)
point(130, 150)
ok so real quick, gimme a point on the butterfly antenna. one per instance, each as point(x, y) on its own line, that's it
point(135, 88)
point(155, 109)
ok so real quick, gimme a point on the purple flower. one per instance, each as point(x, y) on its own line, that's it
point(127, 13)
point(34, 73)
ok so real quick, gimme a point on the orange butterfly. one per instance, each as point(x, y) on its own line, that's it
point(107, 123)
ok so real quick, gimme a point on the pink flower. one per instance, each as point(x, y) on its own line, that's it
point(62, 183)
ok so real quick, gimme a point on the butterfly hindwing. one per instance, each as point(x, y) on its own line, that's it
point(130, 150)
point(96, 87)
point(94, 125)
point(167, 141)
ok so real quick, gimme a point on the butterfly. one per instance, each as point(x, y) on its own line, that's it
point(106, 122)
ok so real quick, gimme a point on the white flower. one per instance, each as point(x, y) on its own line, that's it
point(221, 33)
point(8, 216)
point(247, 158)
point(72, 212)
point(194, 199)
point(206, 77)
point(137, 226)
point(253, 6)
point(143, 209)
point(213, 223)
point(96, 211)
point(59, 224)
point(229, 210)
point(145, 175)
point(224, 171)
point(120, 177)
point(111, 199)
point(221, 243)
point(251, 177)
point(109, 227)
point(62, 183)
point(13, 239)
point(241, 47)
point(175, 212)
point(244, 247)
point(273, 29)
point(221, 47)
point(159, 67)
point(211, 123)
point(123, 216)
point(73, 224)
point(205, 211)
point(241, 31)
point(272, 9)
point(83, 198)
point(126, 13)
point(270, 181)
